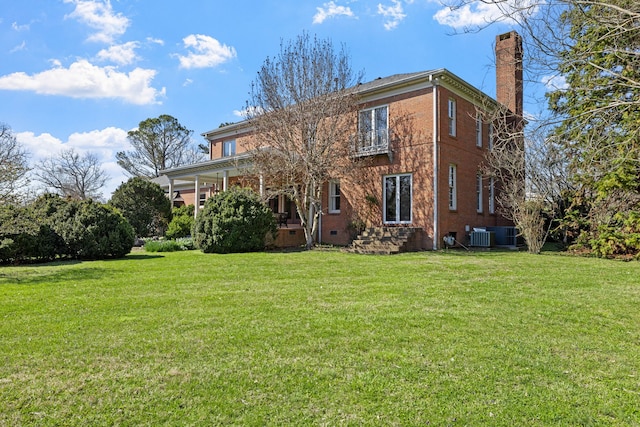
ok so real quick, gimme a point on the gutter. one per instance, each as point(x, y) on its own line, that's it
point(436, 162)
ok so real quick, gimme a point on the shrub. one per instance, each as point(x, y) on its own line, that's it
point(52, 227)
point(619, 238)
point(186, 243)
point(144, 204)
point(26, 235)
point(181, 222)
point(93, 230)
point(168, 245)
point(233, 221)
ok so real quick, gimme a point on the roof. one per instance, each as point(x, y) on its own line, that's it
point(405, 81)
point(389, 80)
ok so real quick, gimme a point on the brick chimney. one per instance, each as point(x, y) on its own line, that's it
point(509, 86)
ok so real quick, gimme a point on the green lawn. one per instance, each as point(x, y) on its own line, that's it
point(321, 338)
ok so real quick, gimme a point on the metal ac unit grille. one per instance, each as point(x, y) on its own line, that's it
point(483, 239)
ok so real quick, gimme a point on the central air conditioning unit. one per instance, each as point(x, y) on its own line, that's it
point(482, 238)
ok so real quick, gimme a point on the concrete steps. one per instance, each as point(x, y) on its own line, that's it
point(386, 241)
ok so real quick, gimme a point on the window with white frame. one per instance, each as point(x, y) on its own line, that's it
point(490, 136)
point(373, 127)
point(229, 148)
point(203, 198)
point(451, 114)
point(334, 197)
point(492, 196)
point(453, 190)
point(397, 199)
point(479, 192)
point(478, 130)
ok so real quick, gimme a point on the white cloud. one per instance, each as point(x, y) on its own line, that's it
point(155, 41)
point(394, 14)
point(330, 10)
point(103, 143)
point(21, 46)
point(479, 13)
point(207, 52)
point(85, 80)
point(247, 111)
point(17, 27)
point(122, 54)
point(99, 15)
point(555, 82)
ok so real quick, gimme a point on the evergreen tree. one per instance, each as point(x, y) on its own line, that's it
point(600, 120)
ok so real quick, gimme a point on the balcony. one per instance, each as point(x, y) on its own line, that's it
point(372, 143)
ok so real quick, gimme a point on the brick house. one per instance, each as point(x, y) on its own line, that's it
point(426, 145)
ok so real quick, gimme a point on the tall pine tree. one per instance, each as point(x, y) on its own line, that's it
point(599, 128)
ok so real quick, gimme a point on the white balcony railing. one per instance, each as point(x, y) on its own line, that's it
point(372, 143)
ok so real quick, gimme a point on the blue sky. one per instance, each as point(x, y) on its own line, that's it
point(81, 73)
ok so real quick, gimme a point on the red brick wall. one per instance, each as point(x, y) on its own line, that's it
point(216, 146)
point(462, 151)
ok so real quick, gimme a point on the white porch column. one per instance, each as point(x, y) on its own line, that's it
point(171, 191)
point(225, 180)
point(261, 185)
point(196, 197)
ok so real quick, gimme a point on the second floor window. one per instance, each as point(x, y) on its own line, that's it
point(490, 136)
point(492, 196)
point(478, 130)
point(229, 148)
point(451, 115)
point(373, 127)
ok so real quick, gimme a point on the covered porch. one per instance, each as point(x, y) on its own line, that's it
point(194, 184)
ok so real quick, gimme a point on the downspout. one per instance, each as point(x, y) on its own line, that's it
point(436, 162)
point(320, 227)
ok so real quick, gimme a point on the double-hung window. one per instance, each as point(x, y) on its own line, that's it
point(490, 136)
point(451, 115)
point(492, 195)
point(334, 197)
point(229, 148)
point(478, 130)
point(453, 190)
point(373, 127)
point(397, 199)
point(479, 192)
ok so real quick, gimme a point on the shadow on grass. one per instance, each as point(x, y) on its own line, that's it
point(38, 277)
point(55, 272)
point(137, 257)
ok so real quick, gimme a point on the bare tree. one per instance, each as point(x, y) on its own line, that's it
point(73, 175)
point(13, 166)
point(530, 174)
point(302, 112)
point(159, 143)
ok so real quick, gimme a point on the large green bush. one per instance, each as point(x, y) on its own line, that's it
point(52, 227)
point(144, 204)
point(619, 238)
point(97, 231)
point(18, 234)
point(233, 221)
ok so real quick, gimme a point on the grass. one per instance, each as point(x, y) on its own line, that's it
point(321, 338)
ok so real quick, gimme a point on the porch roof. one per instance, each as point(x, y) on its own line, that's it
point(211, 169)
